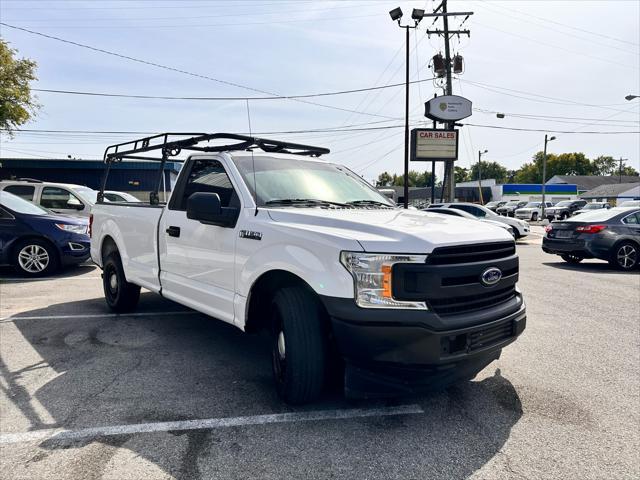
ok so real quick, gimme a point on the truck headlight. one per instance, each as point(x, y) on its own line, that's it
point(81, 229)
point(372, 275)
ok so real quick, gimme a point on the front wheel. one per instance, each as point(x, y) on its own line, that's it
point(625, 256)
point(534, 217)
point(121, 296)
point(35, 258)
point(299, 346)
point(573, 259)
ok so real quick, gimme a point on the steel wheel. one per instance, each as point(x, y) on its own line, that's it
point(33, 259)
point(627, 256)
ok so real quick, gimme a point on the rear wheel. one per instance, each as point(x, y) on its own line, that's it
point(625, 256)
point(534, 217)
point(299, 350)
point(574, 259)
point(121, 296)
point(35, 258)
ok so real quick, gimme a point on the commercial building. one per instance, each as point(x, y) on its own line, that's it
point(614, 194)
point(131, 176)
point(589, 182)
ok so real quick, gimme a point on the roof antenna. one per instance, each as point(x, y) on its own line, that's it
point(253, 162)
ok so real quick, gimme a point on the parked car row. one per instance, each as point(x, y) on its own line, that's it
point(520, 228)
point(62, 198)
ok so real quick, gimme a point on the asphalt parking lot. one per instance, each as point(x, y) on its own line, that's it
point(169, 393)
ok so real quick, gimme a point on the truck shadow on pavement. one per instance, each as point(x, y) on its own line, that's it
point(590, 267)
point(109, 371)
point(9, 274)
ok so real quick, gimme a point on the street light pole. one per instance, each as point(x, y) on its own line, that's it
point(416, 15)
point(544, 172)
point(480, 153)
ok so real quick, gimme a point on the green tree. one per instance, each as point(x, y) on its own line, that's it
point(628, 170)
point(384, 180)
point(489, 170)
point(416, 179)
point(461, 174)
point(605, 165)
point(17, 104)
point(562, 164)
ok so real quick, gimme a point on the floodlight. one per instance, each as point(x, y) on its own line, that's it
point(631, 97)
point(417, 14)
point(396, 14)
point(552, 138)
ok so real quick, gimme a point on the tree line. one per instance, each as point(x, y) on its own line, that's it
point(531, 172)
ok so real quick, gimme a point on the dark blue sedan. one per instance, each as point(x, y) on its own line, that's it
point(36, 242)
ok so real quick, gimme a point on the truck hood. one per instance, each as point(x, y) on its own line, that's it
point(392, 231)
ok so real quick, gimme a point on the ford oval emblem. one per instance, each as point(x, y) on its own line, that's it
point(491, 276)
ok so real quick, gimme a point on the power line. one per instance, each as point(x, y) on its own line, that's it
point(545, 99)
point(235, 14)
point(185, 72)
point(555, 46)
point(551, 131)
point(571, 26)
point(554, 29)
point(208, 25)
point(278, 97)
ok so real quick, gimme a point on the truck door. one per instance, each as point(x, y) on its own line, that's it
point(197, 260)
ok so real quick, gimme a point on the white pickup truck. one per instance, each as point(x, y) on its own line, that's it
point(264, 235)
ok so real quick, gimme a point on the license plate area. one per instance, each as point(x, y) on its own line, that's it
point(564, 233)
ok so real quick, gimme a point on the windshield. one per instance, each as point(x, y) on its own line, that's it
point(566, 203)
point(593, 206)
point(285, 179)
point(532, 205)
point(20, 205)
point(491, 204)
point(87, 193)
point(512, 203)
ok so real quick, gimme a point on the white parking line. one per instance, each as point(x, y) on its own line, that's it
point(62, 434)
point(14, 317)
point(48, 279)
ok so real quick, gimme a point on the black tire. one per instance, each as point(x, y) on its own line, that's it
point(573, 259)
point(534, 217)
point(564, 216)
point(299, 345)
point(35, 257)
point(120, 295)
point(625, 256)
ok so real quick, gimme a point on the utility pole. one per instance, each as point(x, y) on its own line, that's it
point(449, 181)
point(480, 153)
point(621, 161)
point(544, 172)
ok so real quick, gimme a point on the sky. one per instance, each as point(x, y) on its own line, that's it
point(549, 66)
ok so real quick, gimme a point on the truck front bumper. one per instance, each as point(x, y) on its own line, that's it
point(392, 352)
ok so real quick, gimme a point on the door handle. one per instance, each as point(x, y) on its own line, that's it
point(173, 231)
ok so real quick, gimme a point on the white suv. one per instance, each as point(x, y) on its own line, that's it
point(532, 211)
point(63, 198)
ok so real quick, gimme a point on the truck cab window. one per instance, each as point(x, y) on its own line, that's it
point(59, 198)
point(209, 176)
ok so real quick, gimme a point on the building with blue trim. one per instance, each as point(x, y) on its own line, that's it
point(126, 176)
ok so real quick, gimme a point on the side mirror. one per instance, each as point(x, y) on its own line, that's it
point(206, 208)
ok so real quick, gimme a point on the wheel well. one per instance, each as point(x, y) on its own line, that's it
point(625, 240)
point(108, 246)
point(262, 293)
point(19, 241)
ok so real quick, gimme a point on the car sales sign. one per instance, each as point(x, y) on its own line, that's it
point(430, 144)
point(447, 108)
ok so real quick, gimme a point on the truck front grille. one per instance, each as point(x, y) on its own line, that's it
point(471, 253)
point(450, 281)
point(470, 303)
